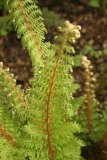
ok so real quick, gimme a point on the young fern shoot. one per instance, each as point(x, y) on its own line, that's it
point(93, 128)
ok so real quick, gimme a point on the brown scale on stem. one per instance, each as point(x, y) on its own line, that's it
point(7, 136)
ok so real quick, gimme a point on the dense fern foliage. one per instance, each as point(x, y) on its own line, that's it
point(47, 122)
point(34, 125)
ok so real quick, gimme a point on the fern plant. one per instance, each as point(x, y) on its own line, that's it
point(92, 120)
point(34, 125)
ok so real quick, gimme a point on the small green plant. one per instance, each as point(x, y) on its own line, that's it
point(5, 25)
point(51, 19)
point(5, 21)
point(102, 80)
point(87, 50)
point(96, 3)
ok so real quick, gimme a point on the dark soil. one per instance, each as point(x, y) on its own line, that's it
point(93, 22)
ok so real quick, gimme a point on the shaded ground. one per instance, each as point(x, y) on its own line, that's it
point(94, 31)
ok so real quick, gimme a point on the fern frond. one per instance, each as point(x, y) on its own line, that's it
point(28, 23)
point(93, 128)
point(37, 120)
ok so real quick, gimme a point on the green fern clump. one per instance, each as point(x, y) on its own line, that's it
point(91, 121)
point(34, 125)
point(51, 19)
